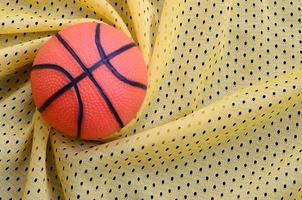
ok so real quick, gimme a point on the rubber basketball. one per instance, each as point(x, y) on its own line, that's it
point(89, 80)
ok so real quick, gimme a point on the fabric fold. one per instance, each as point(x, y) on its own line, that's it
point(221, 118)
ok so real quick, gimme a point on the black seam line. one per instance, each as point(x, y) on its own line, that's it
point(75, 56)
point(56, 95)
point(122, 78)
point(108, 102)
point(61, 91)
point(77, 79)
point(65, 88)
point(98, 42)
point(110, 56)
point(80, 115)
point(100, 90)
point(54, 67)
point(109, 65)
point(71, 51)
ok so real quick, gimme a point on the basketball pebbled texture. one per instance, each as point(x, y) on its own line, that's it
point(89, 80)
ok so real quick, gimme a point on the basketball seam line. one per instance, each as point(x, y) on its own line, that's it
point(102, 93)
point(122, 78)
point(80, 116)
point(78, 78)
point(108, 63)
point(62, 90)
point(55, 67)
point(59, 92)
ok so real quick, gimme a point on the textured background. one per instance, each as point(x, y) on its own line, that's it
point(221, 119)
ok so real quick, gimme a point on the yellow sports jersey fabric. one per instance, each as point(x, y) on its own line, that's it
point(221, 119)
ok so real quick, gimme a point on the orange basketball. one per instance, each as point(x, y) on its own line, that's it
point(89, 80)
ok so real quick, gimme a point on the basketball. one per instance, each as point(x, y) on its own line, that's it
point(89, 80)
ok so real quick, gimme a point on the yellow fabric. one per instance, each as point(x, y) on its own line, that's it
point(221, 119)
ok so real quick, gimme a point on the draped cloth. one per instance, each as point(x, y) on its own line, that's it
point(221, 118)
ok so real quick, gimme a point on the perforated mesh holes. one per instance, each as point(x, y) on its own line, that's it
point(221, 119)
